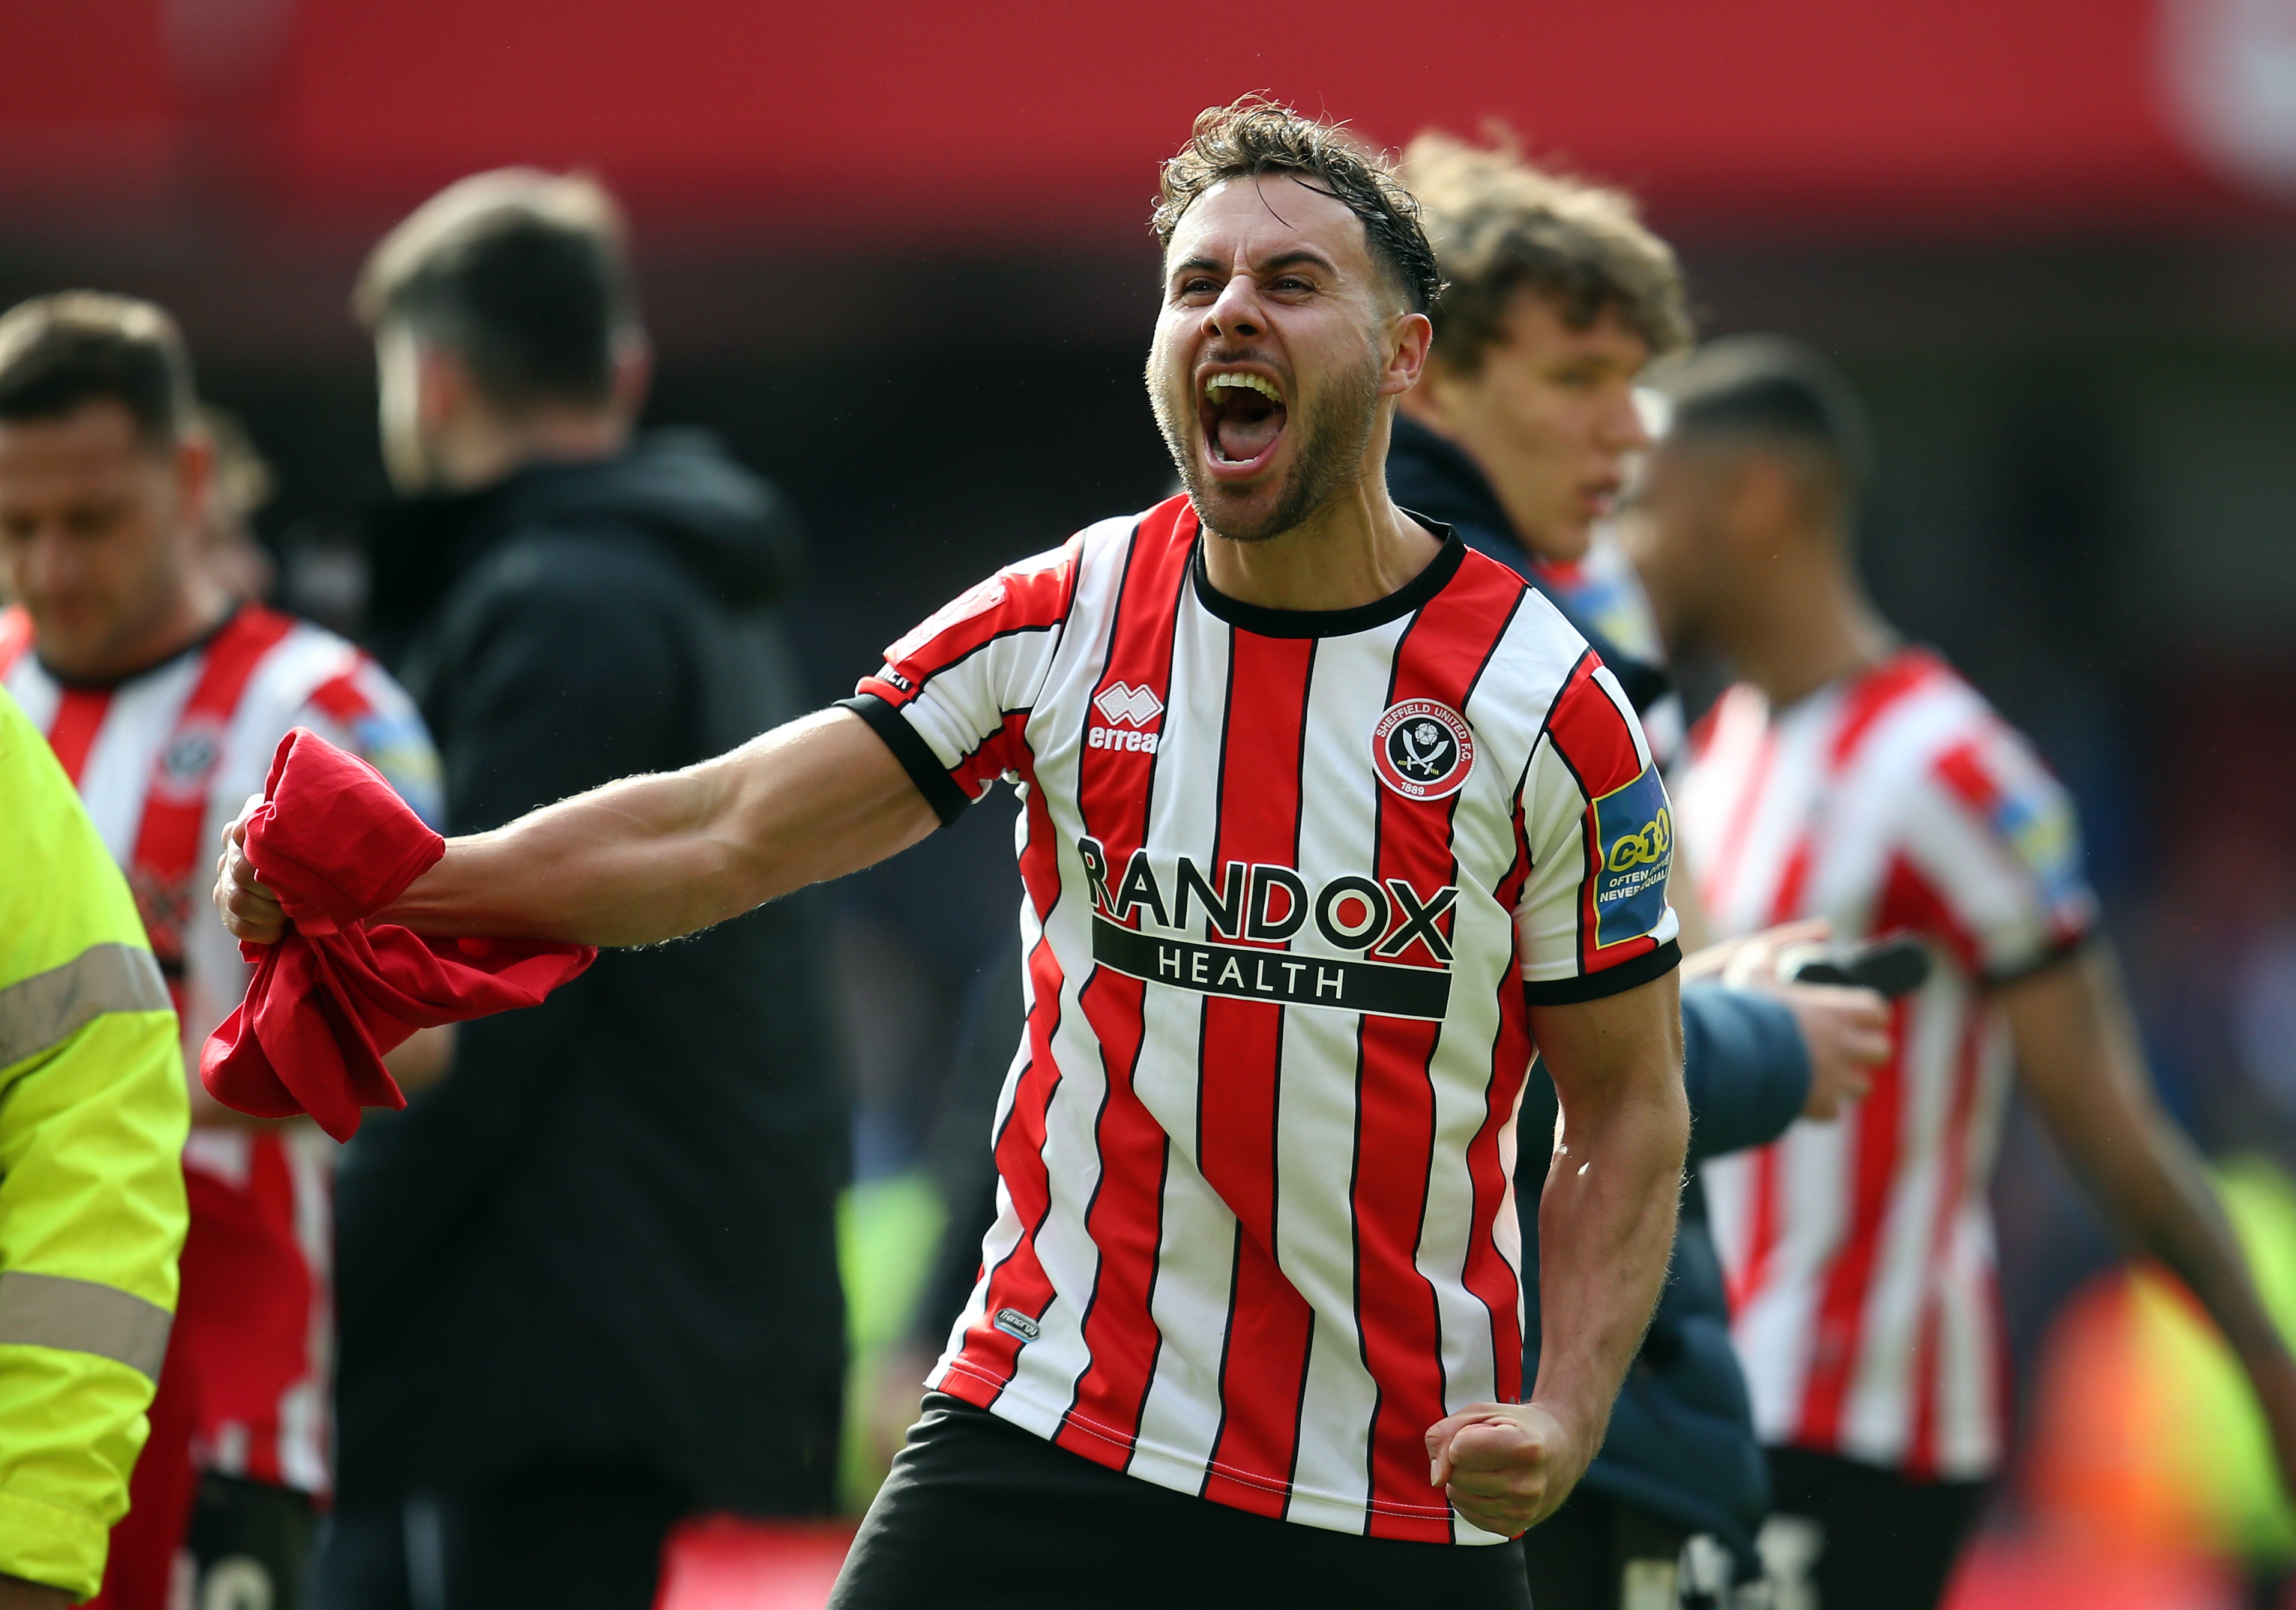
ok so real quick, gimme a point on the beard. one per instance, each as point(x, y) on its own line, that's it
point(1329, 455)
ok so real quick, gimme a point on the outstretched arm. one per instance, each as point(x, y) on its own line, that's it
point(2081, 1063)
point(1605, 1228)
point(649, 859)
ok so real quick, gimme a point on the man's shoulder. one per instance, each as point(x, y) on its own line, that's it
point(549, 586)
point(311, 676)
point(556, 561)
point(1539, 651)
point(305, 661)
point(1903, 721)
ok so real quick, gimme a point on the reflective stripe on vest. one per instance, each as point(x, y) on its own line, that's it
point(82, 1316)
point(41, 1011)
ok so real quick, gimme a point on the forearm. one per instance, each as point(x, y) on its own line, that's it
point(1606, 1228)
point(649, 859)
point(632, 863)
point(2080, 1056)
point(2156, 1190)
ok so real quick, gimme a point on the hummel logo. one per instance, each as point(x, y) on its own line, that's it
point(1134, 706)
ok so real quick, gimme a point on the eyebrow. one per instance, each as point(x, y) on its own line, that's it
point(1282, 260)
point(1297, 255)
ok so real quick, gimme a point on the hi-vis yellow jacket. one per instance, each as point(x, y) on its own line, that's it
point(93, 1115)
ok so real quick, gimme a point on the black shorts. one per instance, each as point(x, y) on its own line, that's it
point(1880, 1540)
point(1600, 1552)
point(250, 1543)
point(978, 1511)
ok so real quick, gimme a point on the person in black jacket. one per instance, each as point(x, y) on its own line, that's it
point(1519, 436)
point(587, 1284)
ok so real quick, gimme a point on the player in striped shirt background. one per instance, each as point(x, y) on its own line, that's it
point(1850, 775)
point(163, 693)
point(1523, 434)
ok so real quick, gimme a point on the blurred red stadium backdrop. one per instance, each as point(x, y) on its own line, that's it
point(941, 124)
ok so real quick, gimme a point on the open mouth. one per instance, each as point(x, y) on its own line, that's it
point(1243, 417)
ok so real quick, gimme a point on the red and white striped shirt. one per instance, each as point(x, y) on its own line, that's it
point(1859, 1252)
point(163, 760)
point(1289, 878)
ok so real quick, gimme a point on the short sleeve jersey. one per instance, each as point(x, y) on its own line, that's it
point(1289, 879)
point(1859, 1252)
point(163, 760)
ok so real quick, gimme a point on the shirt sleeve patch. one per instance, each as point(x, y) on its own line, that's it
point(2035, 820)
point(2043, 834)
point(1634, 842)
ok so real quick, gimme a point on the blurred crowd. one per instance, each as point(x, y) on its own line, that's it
point(685, 1240)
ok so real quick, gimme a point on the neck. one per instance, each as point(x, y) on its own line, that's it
point(489, 449)
point(192, 611)
point(1806, 624)
point(1355, 550)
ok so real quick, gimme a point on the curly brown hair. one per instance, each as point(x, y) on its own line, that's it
point(1255, 136)
point(1501, 225)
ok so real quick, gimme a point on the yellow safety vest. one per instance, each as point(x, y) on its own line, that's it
point(92, 1115)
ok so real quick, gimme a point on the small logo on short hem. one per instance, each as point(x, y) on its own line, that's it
point(1422, 750)
point(1013, 1322)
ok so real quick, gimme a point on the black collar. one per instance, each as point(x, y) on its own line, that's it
point(103, 684)
point(1267, 622)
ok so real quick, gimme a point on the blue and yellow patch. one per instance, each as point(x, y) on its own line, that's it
point(2045, 835)
point(1634, 835)
point(398, 746)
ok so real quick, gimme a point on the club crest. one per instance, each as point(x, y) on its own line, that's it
point(1422, 750)
point(188, 763)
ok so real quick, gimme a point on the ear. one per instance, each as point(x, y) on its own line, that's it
point(1409, 340)
point(1433, 399)
point(633, 371)
point(193, 463)
point(443, 387)
point(1763, 503)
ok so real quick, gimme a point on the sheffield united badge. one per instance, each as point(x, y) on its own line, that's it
point(1422, 750)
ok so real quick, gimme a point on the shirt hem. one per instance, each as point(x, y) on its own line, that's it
point(2063, 950)
point(1181, 1473)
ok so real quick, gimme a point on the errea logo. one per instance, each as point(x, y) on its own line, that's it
point(1123, 705)
point(1133, 706)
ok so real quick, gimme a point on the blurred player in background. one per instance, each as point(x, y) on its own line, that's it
point(1852, 776)
point(1520, 433)
point(1527, 426)
point(163, 696)
point(589, 1285)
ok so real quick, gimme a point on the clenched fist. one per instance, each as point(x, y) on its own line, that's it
point(1504, 1467)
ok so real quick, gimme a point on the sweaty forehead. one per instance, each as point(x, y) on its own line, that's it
point(1256, 217)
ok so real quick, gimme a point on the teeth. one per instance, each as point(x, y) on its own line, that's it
point(1250, 382)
